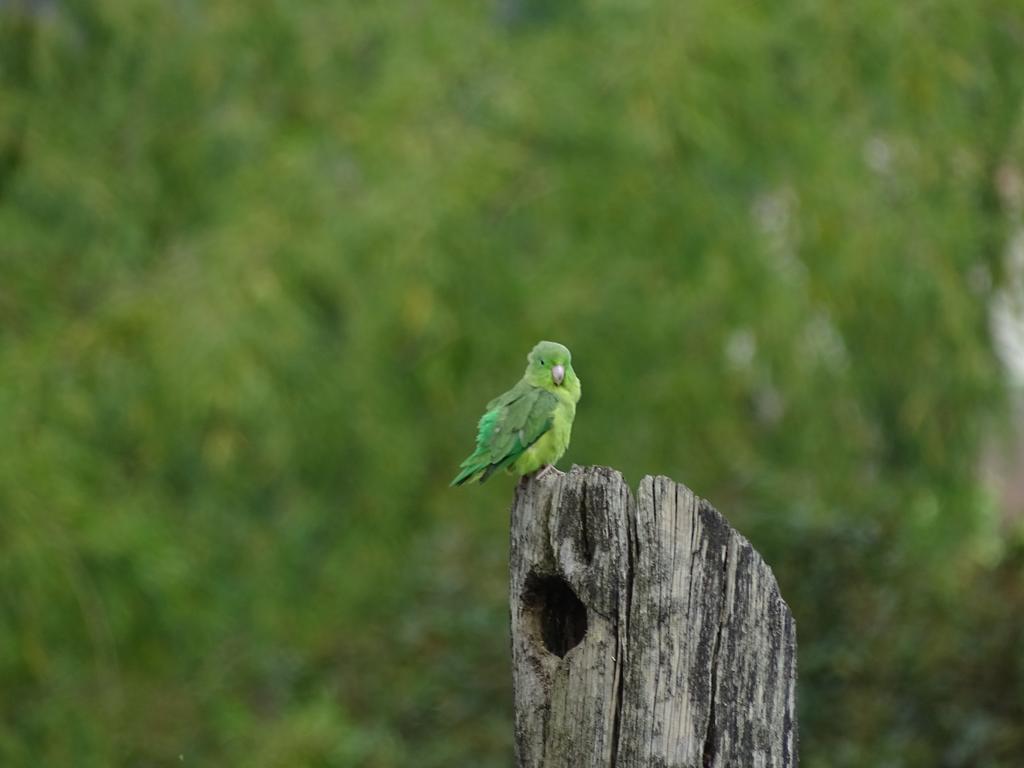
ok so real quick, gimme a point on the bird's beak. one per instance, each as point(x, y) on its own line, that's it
point(558, 374)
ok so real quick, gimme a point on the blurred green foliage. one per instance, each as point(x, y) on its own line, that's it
point(262, 264)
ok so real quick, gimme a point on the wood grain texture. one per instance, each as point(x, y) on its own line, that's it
point(646, 632)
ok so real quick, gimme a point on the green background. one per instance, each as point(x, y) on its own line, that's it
point(262, 264)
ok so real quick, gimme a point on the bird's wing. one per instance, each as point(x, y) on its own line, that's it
point(513, 422)
point(521, 422)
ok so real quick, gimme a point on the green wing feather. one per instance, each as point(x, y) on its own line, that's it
point(512, 423)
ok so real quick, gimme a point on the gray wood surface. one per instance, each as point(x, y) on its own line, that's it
point(645, 631)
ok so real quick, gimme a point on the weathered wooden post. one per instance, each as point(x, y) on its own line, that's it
point(645, 632)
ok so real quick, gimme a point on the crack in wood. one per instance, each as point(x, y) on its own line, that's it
point(586, 543)
point(620, 646)
point(710, 735)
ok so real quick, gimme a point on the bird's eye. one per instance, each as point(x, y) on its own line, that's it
point(542, 362)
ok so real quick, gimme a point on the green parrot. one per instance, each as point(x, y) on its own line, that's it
point(529, 426)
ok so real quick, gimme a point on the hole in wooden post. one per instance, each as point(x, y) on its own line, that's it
point(559, 618)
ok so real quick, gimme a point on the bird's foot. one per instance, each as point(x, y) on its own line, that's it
point(546, 469)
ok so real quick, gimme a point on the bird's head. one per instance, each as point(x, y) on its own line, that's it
point(549, 365)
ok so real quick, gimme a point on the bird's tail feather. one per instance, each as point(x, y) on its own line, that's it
point(470, 470)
